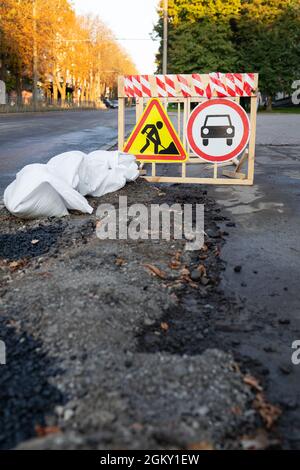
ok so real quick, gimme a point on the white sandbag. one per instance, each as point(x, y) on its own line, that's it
point(96, 175)
point(128, 162)
point(66, 165)
point(51, 189)
point(104, 172)
point(38, 192)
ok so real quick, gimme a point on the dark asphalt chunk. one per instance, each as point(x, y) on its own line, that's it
point(25, 391)
point(30, 243)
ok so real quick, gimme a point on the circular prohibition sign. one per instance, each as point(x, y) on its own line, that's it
point(229, 140)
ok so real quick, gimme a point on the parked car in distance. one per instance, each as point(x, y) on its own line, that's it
point(110, 104)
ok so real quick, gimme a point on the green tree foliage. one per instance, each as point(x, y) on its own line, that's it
point(200, 35)
point(268, 37)
point(234, 35)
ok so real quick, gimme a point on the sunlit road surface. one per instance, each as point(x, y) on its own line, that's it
point(36, 137)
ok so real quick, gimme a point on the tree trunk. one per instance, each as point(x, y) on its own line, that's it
point(55, 93)
point(63, 94)
point(269, 103)
point(19, 88)
point(61, 89)
point(3, 70)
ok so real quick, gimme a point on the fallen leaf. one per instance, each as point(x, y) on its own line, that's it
point(185, 273)
point(252, 382)
point(258, 441)
point(175, 262)
point(34, 242)
point(42, 431)
point(268, 412)
point(186, 277)
point(164, 326)
point(217, 251)
point(14, 265)
point(202, 269)
point(202, 445)
point(155, 271)
point(120, 261)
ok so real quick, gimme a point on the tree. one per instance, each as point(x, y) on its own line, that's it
point(47, 41)
point(200, 35)
point(235, 35)
point(268, 38)
point(16, 38)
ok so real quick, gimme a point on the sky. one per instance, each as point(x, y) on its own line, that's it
point(129, 20)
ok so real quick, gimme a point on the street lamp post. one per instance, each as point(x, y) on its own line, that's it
point(165, 36)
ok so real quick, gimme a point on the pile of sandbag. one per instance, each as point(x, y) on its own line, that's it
point(61, 184)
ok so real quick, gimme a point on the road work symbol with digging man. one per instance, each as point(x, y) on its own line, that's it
point(154, 137)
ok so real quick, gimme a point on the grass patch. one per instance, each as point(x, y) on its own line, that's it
point(291, 110)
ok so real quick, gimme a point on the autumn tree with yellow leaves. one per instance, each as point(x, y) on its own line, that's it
point(47, 42)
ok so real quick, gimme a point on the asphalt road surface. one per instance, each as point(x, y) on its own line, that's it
point(155, 380)
point(34, 138)
point(265, 243)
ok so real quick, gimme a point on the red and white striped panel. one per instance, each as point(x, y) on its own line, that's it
point(248, 83)
point(128, 86)
point(239, 84)
point(146, 87)
point(229, 84)
point(184, 86)
point(209, 90)
point(137, 86)
point(218, 84)
point(165, 86)
point(198, 84)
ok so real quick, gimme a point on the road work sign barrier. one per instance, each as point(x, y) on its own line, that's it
point(213, 130)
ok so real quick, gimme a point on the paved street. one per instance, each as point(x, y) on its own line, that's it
point(267, 215)
point(31, 138)
point(265, 242)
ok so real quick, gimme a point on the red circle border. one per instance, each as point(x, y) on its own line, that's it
point(241, 145)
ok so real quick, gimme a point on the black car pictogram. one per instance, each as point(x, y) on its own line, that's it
point(217, 126)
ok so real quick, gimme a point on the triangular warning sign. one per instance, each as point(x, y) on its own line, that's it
point(154, 138)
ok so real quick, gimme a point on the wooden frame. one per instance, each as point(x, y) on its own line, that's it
point(235, 177)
